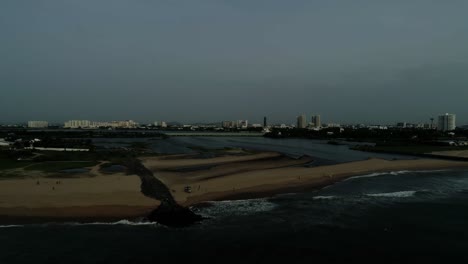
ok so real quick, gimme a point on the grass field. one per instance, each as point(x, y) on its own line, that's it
point(56, 166)
point(8, 164)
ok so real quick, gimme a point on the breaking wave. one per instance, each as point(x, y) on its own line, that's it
point(401, 194)
point(393, 173)
point(324, 197)
point(10, 226)
point(121, 222)
point(236, 207)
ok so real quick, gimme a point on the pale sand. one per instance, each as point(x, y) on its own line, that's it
point(101, 195)
point(246, 178)
point(452, 153)
point(119, 195)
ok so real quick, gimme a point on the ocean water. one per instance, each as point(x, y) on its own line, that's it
point(396, 217)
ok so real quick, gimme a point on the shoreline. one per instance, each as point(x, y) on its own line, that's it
point(73, 214)
point(312, 184)
point(110, 198)
point(267, 191)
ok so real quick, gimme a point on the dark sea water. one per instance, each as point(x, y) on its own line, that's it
point(395, 217)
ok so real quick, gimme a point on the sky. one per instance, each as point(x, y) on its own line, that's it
point(360, 61)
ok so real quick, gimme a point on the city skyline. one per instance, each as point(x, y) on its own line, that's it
point(260, 119)
point(252, 131)
point(444, 122)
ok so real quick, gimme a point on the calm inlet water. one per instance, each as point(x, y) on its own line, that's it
point(394, 217)
point(318, 149)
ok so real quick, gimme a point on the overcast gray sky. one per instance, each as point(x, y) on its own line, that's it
point(364, 61)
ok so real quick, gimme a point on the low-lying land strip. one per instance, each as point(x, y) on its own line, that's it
point(44, 190)
point(262, 177)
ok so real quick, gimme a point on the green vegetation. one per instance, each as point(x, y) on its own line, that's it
point(47, 161)
point(66, 156)
point(9, 164)
point(59, 166)
point(12, 160)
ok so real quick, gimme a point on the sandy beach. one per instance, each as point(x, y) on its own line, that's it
point(452, 153)
point(116, 196)
point(256, 177)
point(94, 195)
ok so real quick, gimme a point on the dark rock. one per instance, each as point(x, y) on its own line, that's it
point(174, 216)
point(169, 213)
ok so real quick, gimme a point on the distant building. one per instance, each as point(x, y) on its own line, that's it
point(265, 124)
point(77, 124)
point(125, 124)
point(316, 122)
point(38, 124)
point(243, 124)
point(227, 124)
point(93, 124)
point(372, 127)
point(163, 124)
point(302, 121)
point(401, 125)
point(446, 122)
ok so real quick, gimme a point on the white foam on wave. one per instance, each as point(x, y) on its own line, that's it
point(10, 226)
point(237, 207)
point(324, 197)
point(401, 194)
point(376, 174)
point(121, 222)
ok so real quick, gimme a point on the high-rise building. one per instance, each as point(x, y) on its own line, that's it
point(301, 121)
point(446, 122)
point(38, 124)
point(95, 124)
point(227, 124)
point(401, 125)
point(316, 122)
point(77, 124)
point(265, 121)
point(242, 124)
